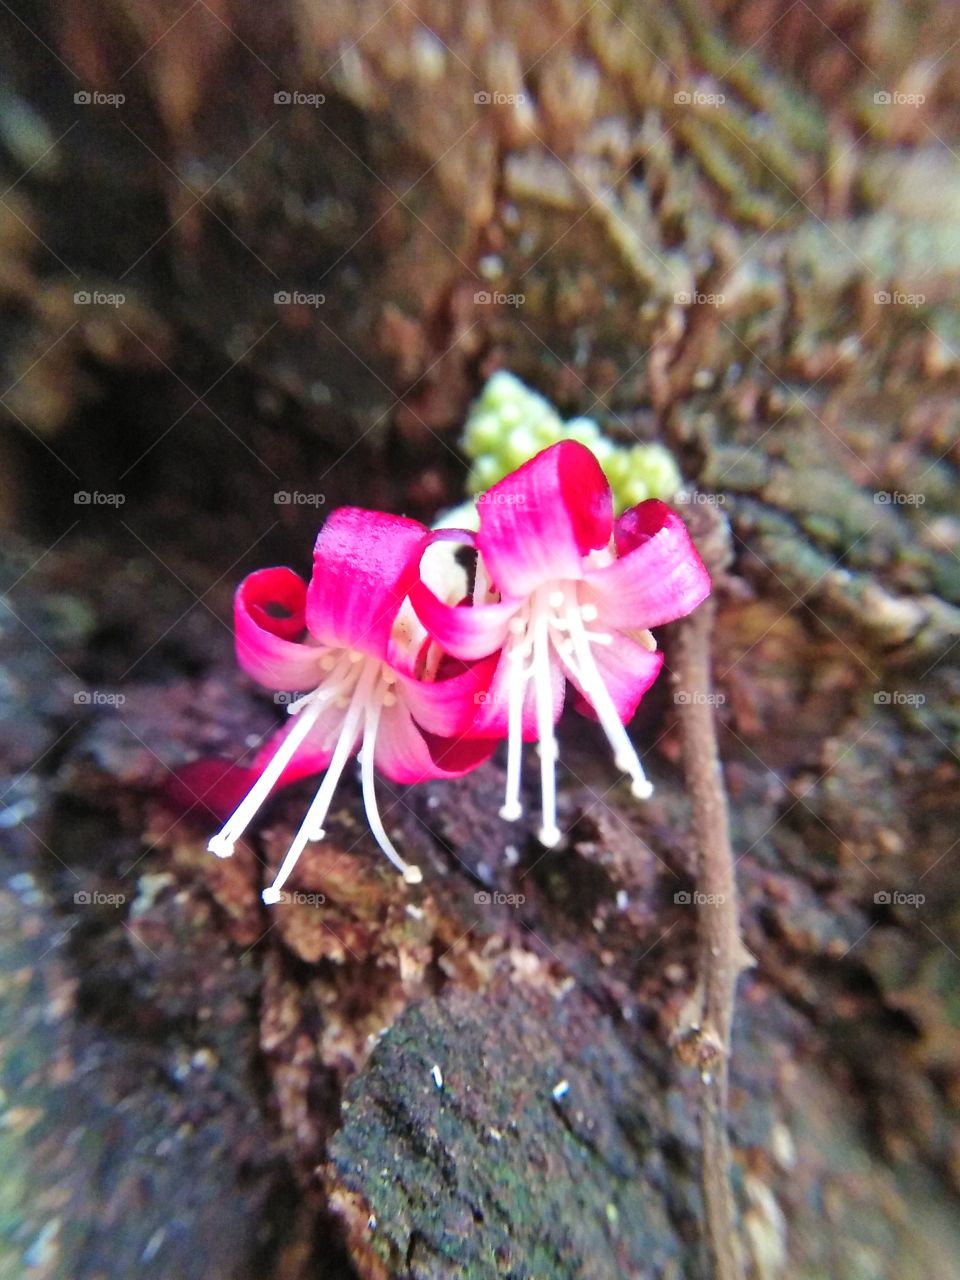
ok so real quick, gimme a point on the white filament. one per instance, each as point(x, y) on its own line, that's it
point(553, 623)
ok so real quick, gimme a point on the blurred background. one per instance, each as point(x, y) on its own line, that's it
point(256, 262)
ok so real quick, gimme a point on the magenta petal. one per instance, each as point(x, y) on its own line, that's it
point(627, 669)
point(658, 577)
point(268, 613)
point(538, 523)
point(448, 706)
point(404, 753)
point(464, 631)
point(364, 563)
point(493, 719)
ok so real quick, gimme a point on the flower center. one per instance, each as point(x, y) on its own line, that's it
point(360, 687)
point(554, 626)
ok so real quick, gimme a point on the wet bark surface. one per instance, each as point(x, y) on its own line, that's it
point(368, 1080)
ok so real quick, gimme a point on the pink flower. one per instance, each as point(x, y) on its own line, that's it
point(374, 679)
point(566, 593)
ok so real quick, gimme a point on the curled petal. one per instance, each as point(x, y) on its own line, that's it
point(406, 753)
point(538, 523)
point(364, 563)
point(627, 669)
point(659, 576)
point(448, 707)
point(464, 631)
point(268, 615)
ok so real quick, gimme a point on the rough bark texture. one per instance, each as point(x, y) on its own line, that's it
point(175, 1064)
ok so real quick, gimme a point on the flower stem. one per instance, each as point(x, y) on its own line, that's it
point(705, 1032)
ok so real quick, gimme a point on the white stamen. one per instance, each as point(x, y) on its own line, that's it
point(223, 842)
point(625, 755)
point(516, 679)
point(312, 826)
point(555, 599)
point(549, 832)
point(517, 626)
point(589, 612)
point(411, 874)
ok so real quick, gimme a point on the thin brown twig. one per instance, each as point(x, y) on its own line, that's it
point(704, 1034)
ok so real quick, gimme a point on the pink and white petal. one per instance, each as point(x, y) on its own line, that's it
point(268, 612)
point(448, 706)
point(627, 669)
point(405, 753)
point(493, 714)
point(364, 563)
point(658, 577)
point(539, 522)
point(464, 631)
